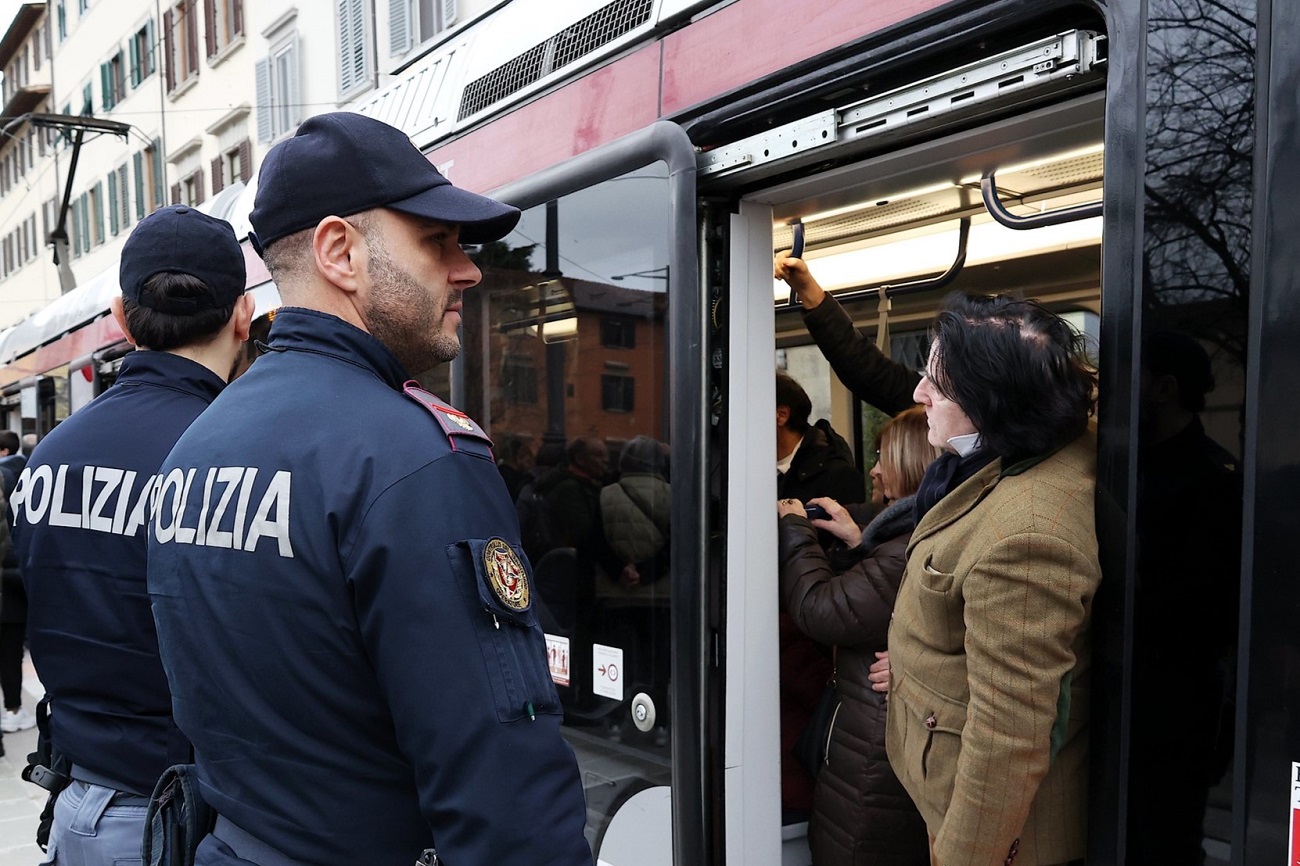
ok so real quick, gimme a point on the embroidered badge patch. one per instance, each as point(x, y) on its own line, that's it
point(506, 575)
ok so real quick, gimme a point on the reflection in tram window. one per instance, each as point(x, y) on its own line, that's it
point(1195, 294)
point(571, 324)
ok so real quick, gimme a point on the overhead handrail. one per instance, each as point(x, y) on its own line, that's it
point(889, 290)
point(999, 212)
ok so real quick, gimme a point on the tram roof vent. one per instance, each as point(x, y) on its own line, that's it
point(572, 43)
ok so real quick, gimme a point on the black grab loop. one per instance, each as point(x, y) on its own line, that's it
point(796, 252)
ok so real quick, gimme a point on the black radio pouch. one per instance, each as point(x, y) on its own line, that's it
point(46, 768)
point(177, 820)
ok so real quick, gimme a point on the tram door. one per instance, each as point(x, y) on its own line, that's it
point(566, 364)
point(1166, 621)
point(912, 220)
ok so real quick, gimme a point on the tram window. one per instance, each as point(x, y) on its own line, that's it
point(565, 365)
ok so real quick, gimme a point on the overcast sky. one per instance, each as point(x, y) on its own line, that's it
point(8, 8)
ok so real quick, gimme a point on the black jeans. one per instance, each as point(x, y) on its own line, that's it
point(12, 637)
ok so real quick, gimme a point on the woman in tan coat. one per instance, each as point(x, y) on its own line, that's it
point(989, 648)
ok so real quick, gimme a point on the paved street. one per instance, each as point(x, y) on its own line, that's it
point(20, 802)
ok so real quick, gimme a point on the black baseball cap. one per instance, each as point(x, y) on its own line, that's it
point(180, 240)
point(341, 163)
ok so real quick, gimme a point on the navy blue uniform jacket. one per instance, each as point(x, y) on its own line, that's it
point(355, 689)
point(81, 514)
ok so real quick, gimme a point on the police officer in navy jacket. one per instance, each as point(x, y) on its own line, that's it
point(345, 616)
point(81, 513)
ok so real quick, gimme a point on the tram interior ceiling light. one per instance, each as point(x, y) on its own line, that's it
point(556, 330)
point(922, 192)
point(928, 250)
point(1084, 160)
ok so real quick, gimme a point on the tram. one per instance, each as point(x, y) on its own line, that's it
point(1132, 164)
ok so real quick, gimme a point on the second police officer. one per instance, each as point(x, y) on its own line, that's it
point(81, 513)
point(345, 617)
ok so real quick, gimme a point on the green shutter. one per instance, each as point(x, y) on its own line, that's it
point(157, 174)
point(139, 185)
point(99, 211)
point(133, 46)
point(113, 225)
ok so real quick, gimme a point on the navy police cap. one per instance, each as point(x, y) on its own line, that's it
point(180, 240)
point(341, 163)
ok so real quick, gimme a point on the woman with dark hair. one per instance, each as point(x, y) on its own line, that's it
point(861, 815)
point(989, 651)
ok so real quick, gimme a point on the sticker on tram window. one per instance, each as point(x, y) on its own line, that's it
point(557, 658)
point(607, 671)
point(1294, 845)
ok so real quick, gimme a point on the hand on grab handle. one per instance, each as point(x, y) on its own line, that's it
point(796, 274)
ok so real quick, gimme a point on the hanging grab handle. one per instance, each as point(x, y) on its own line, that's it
point(893, 290)
point(796, 252)
point(882, 321)
point(999, 212)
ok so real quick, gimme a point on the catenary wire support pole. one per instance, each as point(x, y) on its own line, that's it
point(79, 125)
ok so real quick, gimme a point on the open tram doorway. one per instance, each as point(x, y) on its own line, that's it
point(913, 221)
point(916, 221)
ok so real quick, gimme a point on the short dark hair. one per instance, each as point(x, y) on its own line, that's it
point(152, 329)
point(1016, 369)
point(9, 441)
point(581, 446)
point(791, 394)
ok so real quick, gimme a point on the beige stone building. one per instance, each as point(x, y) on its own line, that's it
point(202, 88)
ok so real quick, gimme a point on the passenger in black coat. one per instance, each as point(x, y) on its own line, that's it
point(823, 463)
point(812, 461)
point(845, 596)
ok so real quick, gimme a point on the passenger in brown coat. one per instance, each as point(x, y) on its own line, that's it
point(861, 815)
point(989, 647)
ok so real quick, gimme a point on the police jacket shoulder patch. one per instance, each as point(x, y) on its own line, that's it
point(454, 423)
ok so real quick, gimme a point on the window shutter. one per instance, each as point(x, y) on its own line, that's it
point(133, 47)
point(169, 49)
point(345, 42)
point(176, 193)
point(199, 195)
point(399, 26)
point(246, 160)
point(265, 117)
point(210, 26)
point(192, 33)
point(83, 225)
point(113, 227)
point(237, 17)
point(217, 175)
point(149, 61)
point(448, 12)
point(156, 151)
point(124, 184)
point(139, 185)
point(99, 212)
point(352, 44)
